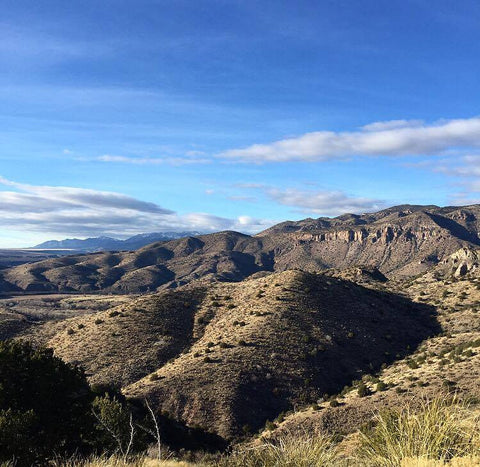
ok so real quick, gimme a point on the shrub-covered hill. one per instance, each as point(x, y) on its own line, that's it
point(227, 357)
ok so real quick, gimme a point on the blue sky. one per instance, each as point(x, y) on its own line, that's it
point(120, 117)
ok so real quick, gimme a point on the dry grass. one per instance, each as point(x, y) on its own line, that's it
point(115, 461)
point(456, 462)
point(440, 431)
point(305, 451)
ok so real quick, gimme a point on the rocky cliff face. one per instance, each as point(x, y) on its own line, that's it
point(400, 241)
point(462, 262)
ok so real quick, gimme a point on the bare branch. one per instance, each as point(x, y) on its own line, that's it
point(112, 433)
point(132, 435)
point(157, 429)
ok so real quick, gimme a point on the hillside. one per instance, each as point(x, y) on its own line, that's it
point(11, 257)
point(227, 357)
point(401, 241)
point(444, 364)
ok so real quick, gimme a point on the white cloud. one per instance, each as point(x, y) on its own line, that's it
point(154, 160)
point(465, 198)
point(392, 125)
point(394, 138)
point(83, 212)
point(465, 171)
point(314, 201)
point(70, 197)
point(327, 203)
point(469, 167)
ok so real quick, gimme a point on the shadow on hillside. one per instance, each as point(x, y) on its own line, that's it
point(362, 331)
point(455, 229)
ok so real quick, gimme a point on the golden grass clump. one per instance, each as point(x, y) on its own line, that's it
point(116, 461)
point(290, 451)
point(441, 430)
point(455, 462)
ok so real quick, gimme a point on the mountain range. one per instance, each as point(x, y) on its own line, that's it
point(108, 243)
point(401, 241)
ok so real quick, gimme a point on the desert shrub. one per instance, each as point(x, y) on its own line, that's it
point(270, 426)
point(115, 422)
point(439, 430)
point(42, 399)
point(98, 321)
point(70, 331)
point(449, 385)
point(412, 364)
point(363, 390)
point(381, 386)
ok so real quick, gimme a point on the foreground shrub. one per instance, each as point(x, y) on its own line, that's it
point(440, 430)
point(44, 404)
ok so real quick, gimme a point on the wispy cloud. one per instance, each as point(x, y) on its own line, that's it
point(84, 212)
point(24, 43)
point(76, 198)
point(176, 161)
point(314, 201)
point(464, 171)
point(330, 203)
point(394, 138)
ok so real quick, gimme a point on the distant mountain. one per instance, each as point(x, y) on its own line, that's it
point(91, 245)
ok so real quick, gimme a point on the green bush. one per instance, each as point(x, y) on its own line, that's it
point(381, 386)
point(44, 400)
point(113, 423)
point(363, 390)
point(270, 426)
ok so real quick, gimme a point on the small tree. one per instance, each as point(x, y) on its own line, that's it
point(115, 424)
point(42, 400)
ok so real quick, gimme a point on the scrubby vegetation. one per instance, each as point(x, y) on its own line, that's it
point(93, 427)
point(48, 409)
